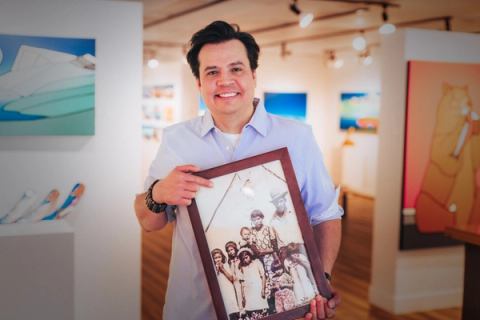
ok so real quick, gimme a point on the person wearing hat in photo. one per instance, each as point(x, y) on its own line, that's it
point(284, 220)
point(236, 126)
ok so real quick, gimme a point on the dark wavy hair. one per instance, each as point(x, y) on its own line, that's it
point(215, 251)
point(218, 32)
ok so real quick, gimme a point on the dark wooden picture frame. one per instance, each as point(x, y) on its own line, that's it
point(217, 214)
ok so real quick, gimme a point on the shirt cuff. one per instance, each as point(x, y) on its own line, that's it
point(334, 211)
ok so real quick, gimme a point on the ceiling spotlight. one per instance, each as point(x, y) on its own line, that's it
point(365, 57)
point(333, 61)
point(359, 43)
point(284, 52)
point(386, 27)
point(360, 18)
point(305, 18)
point(153, 63)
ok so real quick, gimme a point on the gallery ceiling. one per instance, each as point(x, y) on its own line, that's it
point(168, 24)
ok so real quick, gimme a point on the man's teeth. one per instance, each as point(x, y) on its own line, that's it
point(227, 95)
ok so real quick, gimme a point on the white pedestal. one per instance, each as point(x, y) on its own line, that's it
point(36, 271)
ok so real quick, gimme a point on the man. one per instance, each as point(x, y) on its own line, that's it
point(265, 247)
point(284, 220)
point(224, 62)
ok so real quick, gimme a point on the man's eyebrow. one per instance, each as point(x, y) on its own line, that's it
point(210, 68)
point(236, 63)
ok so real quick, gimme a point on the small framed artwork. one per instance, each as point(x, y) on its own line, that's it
point(255, 241)
point(287, 104)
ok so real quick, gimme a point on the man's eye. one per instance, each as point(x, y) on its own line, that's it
point(237, 69)
point(212, 73)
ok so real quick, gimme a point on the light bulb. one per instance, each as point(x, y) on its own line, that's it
point(306, 19)
point(247, 189)
point(387, 28)
point(153, 63)
point(368, 60)
point(360, 18)
point(338, 63)
point(359, 43)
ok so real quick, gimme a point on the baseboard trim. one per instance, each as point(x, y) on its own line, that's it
point(415, 302)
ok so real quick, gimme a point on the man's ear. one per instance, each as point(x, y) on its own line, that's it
point(198, 82)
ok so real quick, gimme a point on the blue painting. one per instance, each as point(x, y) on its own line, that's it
point(359, 110)
point(289, 105)
point(202, 107)
point(47, 85)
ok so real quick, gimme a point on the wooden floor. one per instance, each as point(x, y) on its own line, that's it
point(351, 273)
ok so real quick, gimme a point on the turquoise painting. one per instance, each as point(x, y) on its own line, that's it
point(289, 105)
point(47, 86)
point(359, 110)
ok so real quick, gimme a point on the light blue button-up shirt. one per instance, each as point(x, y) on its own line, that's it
point(199, 142)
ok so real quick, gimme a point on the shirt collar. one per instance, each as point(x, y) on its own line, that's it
point(259, 120)
point(207, 123)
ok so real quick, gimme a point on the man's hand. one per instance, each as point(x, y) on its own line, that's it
point(180, 186)
point(321, 309)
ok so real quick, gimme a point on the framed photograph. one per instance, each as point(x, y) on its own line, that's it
point(255, 241)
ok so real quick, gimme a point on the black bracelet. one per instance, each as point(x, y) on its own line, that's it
point(152, 205)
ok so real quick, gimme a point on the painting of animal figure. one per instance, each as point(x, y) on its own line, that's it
point(441, 184)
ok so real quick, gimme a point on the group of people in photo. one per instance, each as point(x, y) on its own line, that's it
point(267, 270)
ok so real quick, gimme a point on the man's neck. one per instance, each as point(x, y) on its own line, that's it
point(233, 123)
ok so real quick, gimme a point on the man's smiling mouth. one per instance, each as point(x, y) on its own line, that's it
point(227, 94)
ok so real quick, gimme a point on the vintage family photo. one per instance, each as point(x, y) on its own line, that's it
point(255, 242)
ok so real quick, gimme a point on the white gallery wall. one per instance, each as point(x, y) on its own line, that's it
point(356, 167)
point(176, 73)
point(104, 244)
point(297, 74)
point(405, 281)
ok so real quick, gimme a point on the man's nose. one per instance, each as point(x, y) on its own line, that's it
point(225, 81)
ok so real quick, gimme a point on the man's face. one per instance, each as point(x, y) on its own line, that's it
point(226, 81)
point(280, 204)
point(257, 222)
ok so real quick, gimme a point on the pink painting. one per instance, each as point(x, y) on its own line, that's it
point(442, 151)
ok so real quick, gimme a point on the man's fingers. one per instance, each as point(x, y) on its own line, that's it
point(188, 194)
point(320, 307)
point(185, 202)
point(330, 313)
point(193, 187)
point(187, 168)
point(198, 180)
point(313, 309)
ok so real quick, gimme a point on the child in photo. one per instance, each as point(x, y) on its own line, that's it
point(253, 281)
point(298, 266)
point(225, 281)
point(282, 288)
point(246, 238)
